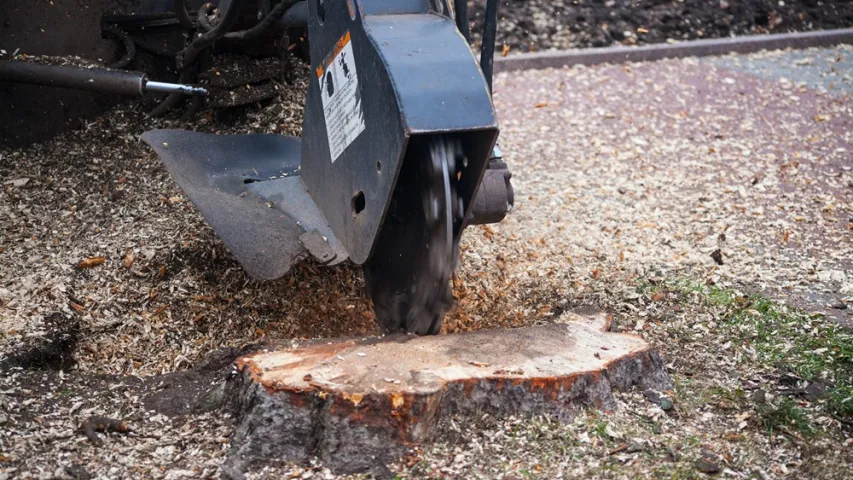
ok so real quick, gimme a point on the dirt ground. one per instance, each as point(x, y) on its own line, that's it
point(531, 25)
point(644, 190)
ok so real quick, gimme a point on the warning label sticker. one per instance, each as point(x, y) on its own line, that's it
point(341, 97)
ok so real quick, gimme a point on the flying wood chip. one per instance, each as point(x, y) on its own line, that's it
point(128, 259)
point(90, 262)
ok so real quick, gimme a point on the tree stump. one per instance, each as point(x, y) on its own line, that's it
point(357, 404)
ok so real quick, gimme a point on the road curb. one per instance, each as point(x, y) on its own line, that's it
point(692, 48)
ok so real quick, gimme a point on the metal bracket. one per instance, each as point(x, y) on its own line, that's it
point(496, 196)
point(318, 246)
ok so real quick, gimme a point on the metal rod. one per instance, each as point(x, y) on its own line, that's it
point(487, 49)
point(461, 7)
point(164, 87)
point(172, 99)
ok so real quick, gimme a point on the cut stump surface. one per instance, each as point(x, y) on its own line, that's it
point(357, 404)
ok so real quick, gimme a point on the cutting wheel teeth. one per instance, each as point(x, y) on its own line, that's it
point(413, 293)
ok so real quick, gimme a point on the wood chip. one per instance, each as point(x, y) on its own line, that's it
point(90, 262)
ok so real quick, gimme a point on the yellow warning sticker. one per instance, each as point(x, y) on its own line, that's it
point(341, 97)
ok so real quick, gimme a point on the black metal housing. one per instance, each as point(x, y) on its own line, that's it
point(419, 78)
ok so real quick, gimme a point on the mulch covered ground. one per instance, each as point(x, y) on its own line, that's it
point(644, 190)
point(531, 25)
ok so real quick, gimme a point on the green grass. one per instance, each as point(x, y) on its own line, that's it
point(677, 472)
point(600, 429)
point(787, 339)
point(651, 425)
point(784, 417)
point(726, 399)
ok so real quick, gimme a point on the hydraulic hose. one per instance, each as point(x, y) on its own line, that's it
point(103, 80)
point(221, 30)
point(203, 12)
point(126, 41)
point(264, 24)
point(182, 14)
point(207, 39)
point(186, 57)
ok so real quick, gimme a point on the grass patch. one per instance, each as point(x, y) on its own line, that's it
point(677, 472)
point(789, 340)
point(726, 399)
point(783, 417)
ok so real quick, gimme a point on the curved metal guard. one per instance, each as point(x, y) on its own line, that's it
point(249, 188)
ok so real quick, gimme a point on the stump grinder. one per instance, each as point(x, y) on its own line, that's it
point(398, 152)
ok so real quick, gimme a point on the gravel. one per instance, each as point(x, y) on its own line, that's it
point(624, 175)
